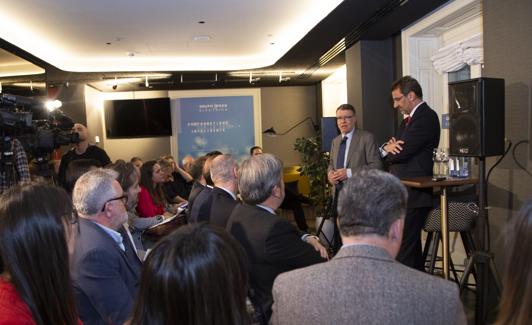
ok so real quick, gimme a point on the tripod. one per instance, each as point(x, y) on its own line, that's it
point(481, 260)
point(330, 213)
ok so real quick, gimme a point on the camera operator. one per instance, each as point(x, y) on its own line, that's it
point(13, 164)
point(82, 150)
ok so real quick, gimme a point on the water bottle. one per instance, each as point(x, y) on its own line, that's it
point(464, 170)
point(454, 166)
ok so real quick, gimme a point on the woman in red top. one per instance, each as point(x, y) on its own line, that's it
point(37, 228)
point(151, 197)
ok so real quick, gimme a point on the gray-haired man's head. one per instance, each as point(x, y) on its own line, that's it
point(93, 189)
point(258, 176)
point(223, 169)
point(370, 202)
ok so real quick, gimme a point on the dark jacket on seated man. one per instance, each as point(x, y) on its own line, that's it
point(273, 246)
point(105, 278)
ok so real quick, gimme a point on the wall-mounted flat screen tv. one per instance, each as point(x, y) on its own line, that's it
point(137, 118)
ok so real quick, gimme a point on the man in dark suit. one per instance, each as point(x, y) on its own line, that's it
point(105, 267)
point(363, 284)
point(215, 206)
point(352, 149)
point(409, 154)
point(273, 245)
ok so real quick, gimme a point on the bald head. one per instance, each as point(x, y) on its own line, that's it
point(82, 131)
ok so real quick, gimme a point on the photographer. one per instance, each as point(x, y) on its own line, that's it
point(13, 164)
point(82, 150)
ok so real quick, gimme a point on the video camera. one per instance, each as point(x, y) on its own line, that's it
point(39, 131)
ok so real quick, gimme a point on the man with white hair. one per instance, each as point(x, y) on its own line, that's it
point(272, 243)
point(105, 268)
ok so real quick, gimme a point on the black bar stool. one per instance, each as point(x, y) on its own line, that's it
point(462, 217)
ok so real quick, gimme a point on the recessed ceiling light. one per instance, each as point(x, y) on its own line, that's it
point(201, 38)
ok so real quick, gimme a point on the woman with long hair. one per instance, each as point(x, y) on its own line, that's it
point(196, 275)
point(128, 177)
point(151, 200)
point(37, 233)
point(516, 294)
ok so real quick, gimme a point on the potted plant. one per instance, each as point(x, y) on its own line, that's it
point(314, 165)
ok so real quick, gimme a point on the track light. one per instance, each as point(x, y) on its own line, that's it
point(115, 85)
point(251, 79)
point(281, 79)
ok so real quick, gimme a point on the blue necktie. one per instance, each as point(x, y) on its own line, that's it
point(341, 154)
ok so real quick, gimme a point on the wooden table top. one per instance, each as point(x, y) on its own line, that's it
point(427, 181)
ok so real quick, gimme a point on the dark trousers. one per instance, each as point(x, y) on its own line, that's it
point(410, 253)
point(292, 202)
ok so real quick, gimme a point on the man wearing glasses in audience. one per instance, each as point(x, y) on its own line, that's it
point(105, 267)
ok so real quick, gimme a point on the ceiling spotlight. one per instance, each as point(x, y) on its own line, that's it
point(115, 84)
point(281, 79)
point(52, 105)
point(251, 79)
point(147, 82)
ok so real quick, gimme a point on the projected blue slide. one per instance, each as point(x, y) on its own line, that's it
point(215, 123)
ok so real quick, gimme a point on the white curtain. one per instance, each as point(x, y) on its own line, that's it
point(455, 56)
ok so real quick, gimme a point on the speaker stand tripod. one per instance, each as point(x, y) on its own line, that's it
point(482, 260)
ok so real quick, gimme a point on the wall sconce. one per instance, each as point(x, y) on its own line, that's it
point(272, 133)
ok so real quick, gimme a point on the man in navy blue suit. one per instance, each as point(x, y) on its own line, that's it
point(215, 205)
point(105, 266)
point(409, 154)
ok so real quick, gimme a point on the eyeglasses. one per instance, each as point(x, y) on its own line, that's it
point(344, 118)
point(123, 198)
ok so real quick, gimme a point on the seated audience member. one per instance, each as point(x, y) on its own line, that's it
point(203, 197)
point(136, 161)
point(128, 177)
point(196, 275)
point(255, 150)
point(151, 200)
point(292, 200)
point(37, 233)
point(273, 244)
point(176, 186)
point(199, 181)
point(363, 283)
point(105, 266)
point(221, 200)
point(187, 163)
point(77, 168)
point(516, 294)
point(82, 150)
point(204, 186)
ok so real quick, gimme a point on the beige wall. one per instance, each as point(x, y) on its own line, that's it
point(282, 108)
point(507, 54)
